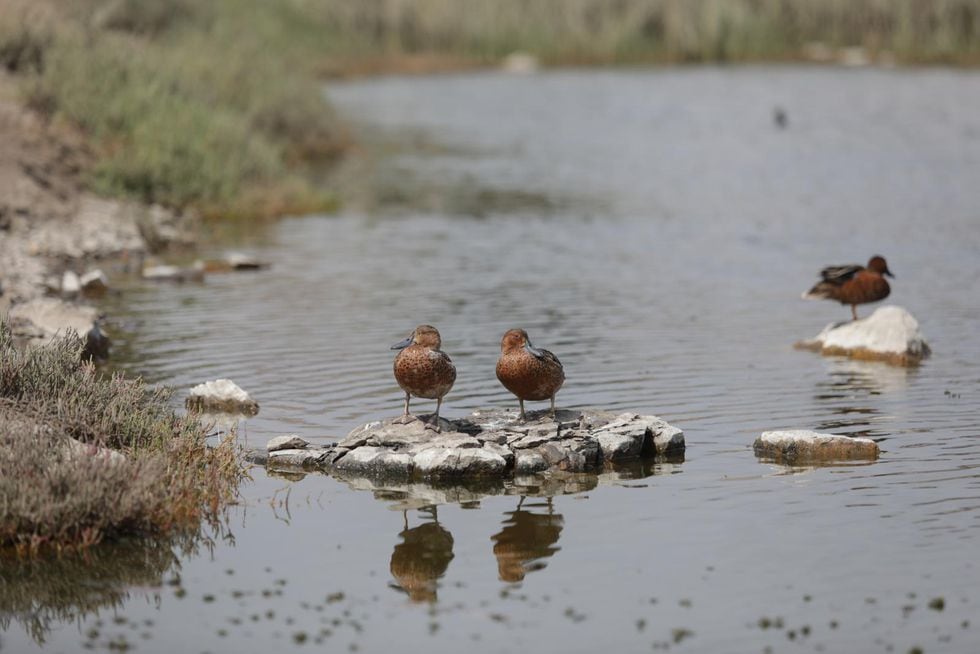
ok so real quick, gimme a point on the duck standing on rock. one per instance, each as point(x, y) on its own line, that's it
point(423, 370)
point(853, 284)
point(527, 372)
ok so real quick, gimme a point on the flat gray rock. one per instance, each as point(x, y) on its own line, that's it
point(488, 444)
point(41, 320)
point(288, 442)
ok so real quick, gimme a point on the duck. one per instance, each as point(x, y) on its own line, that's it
point(422, 369)
point(853, 284)
point(528, 372)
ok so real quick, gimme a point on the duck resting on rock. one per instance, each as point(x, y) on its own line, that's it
point(853, 284)
point(423, 370)
point(528, 372)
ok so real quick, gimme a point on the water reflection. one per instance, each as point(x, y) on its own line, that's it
point(852, 393)
point(42, 594)
point(421, 559)
point(529, 536)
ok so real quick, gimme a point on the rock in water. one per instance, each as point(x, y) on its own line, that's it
point(800, 445)
point(889, 334)
point(489, 444)
point(221, 395)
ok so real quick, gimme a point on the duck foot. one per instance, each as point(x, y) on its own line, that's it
point(404, 419)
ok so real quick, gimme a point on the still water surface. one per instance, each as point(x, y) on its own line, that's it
point(655, 230)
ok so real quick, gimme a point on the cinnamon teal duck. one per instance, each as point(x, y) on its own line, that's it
point(422, 369)
point(528, 372)
point(853, 284)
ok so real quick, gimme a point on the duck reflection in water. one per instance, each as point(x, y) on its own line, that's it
point(421, 559)
point(526, 539)
point(852, 393)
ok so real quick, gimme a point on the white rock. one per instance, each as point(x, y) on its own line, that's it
point(287, 442)
point(76, 449)
point(800, 444)
point(164, 273)
point(221, 395)
point(70, 283)
point(890, 334)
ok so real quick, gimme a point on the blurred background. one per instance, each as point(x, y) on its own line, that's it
point(647, 187)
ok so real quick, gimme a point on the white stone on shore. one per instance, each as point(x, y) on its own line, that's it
point(803, 445)
point(70, 283)
point(889, 334)
point(166, 273)
point(221, 395)
point(287, 442)
point(76, 448)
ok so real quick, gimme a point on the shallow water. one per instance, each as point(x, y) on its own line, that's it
point(655, 230)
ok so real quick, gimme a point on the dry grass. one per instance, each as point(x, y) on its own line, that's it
point(52, 497)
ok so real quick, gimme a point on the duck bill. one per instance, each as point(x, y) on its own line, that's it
point(889, 274)
point(533, 350)
point(401, 345)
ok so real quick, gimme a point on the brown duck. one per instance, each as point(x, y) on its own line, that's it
point(853, 284)
point(422, 369)
point(528, 372)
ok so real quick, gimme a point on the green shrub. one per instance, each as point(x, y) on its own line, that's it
point(56, 495)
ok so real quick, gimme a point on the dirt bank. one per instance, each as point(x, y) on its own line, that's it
point(50, 224)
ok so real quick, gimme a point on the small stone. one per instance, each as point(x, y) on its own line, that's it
point(76, 448)
point(70, 283)
point(801, 445)
point(176, 274)
point(287, 442)
point(221, 395)
point(300, 457)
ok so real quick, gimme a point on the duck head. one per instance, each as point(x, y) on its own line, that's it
point(424, 335)
point(515, 340)
point(878, 264)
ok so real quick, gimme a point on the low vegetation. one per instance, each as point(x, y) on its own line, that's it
point(210, 105)
point(60, 489)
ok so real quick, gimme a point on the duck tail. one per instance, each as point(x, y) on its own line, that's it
point(821, 291)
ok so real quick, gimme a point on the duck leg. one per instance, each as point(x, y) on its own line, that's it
point(523, 416)
point(435, 425)
point(406, 417)
point(554, 414)
point(854, 311)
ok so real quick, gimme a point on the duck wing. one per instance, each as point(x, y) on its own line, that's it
point(546, 356)
point(441, 358)
point(839, 274)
